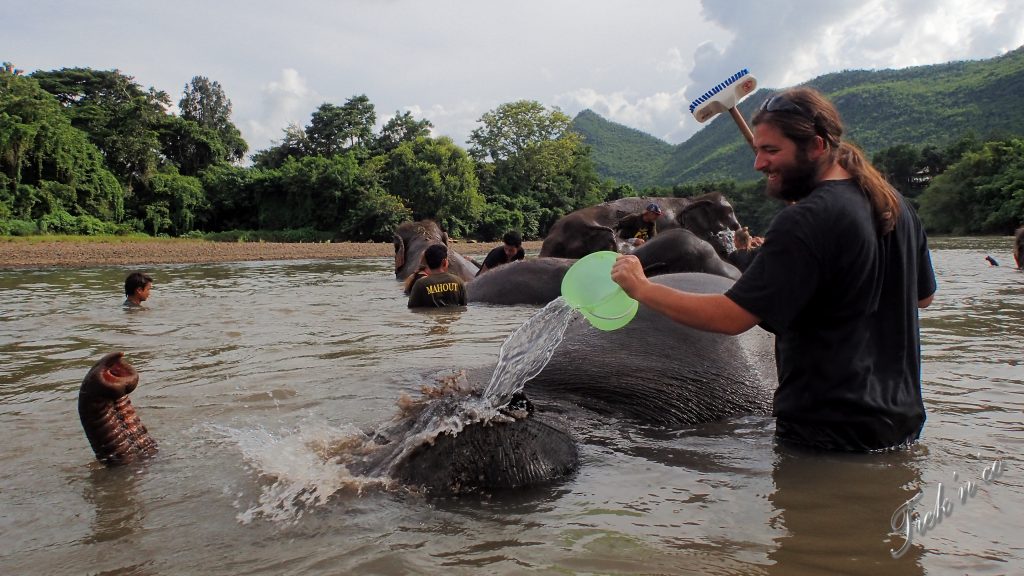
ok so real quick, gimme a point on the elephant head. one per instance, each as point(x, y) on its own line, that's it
point(592, 229)
point(680, 250)
point(577, 234)
point(1018, 247)
point(411, 241)
point(707, 216)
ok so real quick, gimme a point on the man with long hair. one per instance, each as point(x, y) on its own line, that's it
point(839, 280)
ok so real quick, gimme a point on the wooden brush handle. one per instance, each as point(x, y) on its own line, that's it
point(738, 118)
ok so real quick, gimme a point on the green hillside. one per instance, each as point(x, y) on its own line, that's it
point(625, 154)
point(919, 106)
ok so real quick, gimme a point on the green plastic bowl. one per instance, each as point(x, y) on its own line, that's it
point(588, 287)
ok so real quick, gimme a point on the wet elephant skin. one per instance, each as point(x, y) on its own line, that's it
point(660, 372)
point(517, 449)
point(529, 281)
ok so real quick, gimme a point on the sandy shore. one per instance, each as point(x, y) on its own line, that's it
point(71, 254)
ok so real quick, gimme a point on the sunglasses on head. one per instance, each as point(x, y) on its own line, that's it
point(780, 103)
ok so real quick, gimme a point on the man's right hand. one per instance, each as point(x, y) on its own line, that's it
point(628, 273)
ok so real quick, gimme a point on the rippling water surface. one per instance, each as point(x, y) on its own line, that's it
point(251, 373)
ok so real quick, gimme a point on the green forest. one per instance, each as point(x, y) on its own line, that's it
point(91, 152)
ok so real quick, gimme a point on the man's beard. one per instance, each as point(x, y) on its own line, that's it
point(795, 182)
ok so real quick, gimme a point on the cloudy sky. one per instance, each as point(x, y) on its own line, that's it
point(636, 62)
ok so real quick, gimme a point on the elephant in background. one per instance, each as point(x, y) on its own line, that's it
point(539, 280)
point(411, 241)
point(593, 228)
point(680, 250)
point(1018, 247)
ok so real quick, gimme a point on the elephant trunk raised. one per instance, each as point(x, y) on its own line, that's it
point(110, 422)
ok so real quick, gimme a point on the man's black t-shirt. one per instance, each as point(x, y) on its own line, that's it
point(438, 290)
point(496, 257)
point(742, 258)
point(842, 302)
point(633, 226)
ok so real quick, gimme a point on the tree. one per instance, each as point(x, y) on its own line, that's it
point(46, 165)
point(121, 118)
point(231, 195)
point(172, 204)
point(436, 180)
point(295, 145)
point(336, 129)
point(899, 164)
point(401, 128)
point(983, 192)
point(524, 150)
point(311, 192)
point(190, 146)
point(205, 103)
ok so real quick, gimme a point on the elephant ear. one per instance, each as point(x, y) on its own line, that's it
point(697, 205)
point(399, 252)
point(444, 237)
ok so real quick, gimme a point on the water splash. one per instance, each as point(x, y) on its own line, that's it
point(522, 356)
point(527, 351)
point(299, 469)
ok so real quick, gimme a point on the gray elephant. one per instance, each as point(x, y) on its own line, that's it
point(1018, 247)
point(659, 372)
point(592, 229)
point(529, 281)
point(653, 371)
point(539, 280)
point(412, 239)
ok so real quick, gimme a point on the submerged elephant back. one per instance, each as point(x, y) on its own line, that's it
point(660, 372)
point(495, 456)
point(530, 281)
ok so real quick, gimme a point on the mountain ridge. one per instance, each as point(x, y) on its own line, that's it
point(931, 104)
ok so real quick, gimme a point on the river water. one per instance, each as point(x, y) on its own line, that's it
point(252, 372)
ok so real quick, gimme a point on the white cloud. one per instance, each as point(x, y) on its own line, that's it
point(635, 63)
point(284, 101)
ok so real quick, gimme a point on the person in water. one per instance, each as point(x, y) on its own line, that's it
point(639, 228)
point(839, 280)
point(510, 251)
point(412, 278)
point(136, 289)
point(439, 288)
point(745, 251)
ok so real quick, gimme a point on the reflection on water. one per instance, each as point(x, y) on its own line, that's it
point(259, 378)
